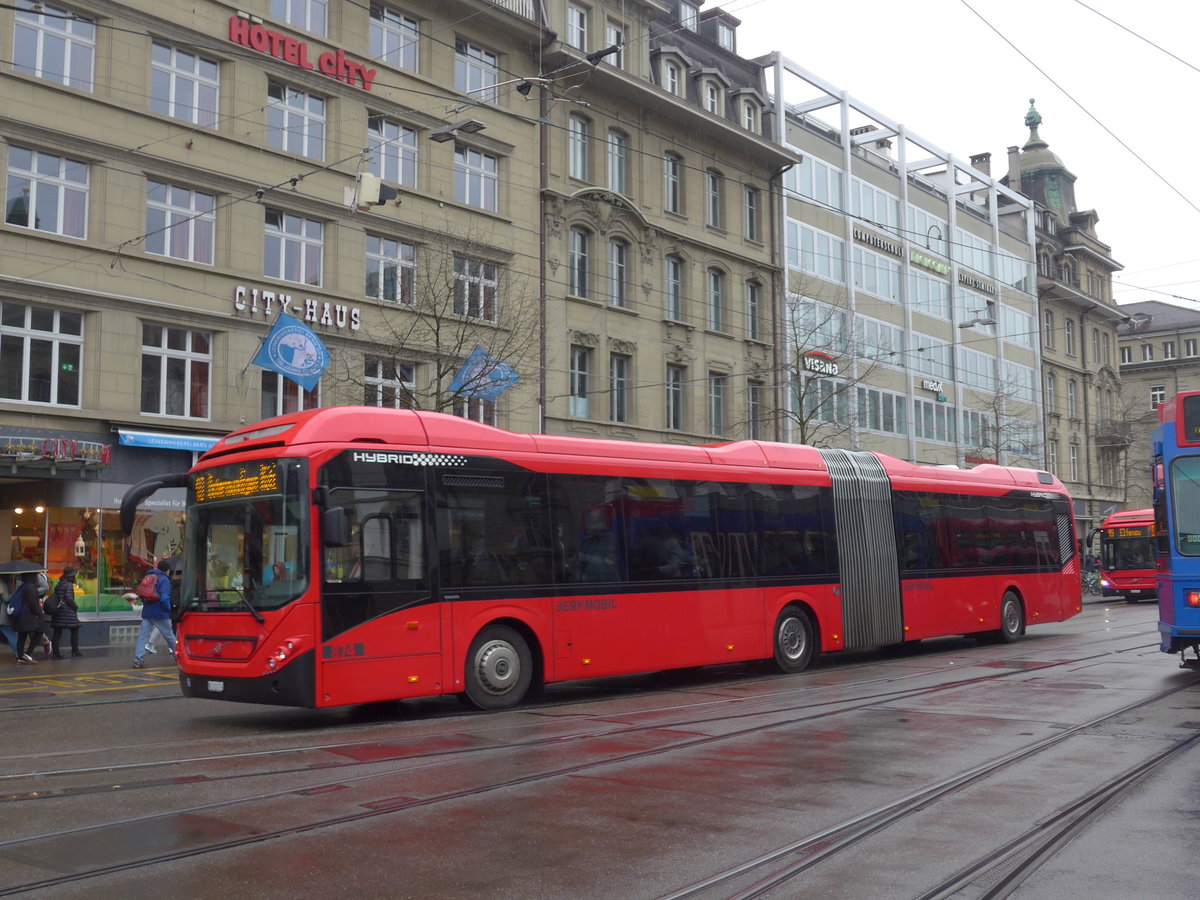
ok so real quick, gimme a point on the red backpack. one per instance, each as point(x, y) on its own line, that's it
point(147, 589)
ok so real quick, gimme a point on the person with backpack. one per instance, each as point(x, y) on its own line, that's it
point(64, 613)
point(155, 593)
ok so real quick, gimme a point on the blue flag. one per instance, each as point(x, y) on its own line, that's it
point(483, 377)
point(294, 351)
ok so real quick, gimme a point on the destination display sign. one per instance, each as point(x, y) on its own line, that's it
point(1126, 531)
point(236, 482)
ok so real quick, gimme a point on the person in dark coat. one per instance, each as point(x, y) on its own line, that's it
point(64, 613)
point(29, 618)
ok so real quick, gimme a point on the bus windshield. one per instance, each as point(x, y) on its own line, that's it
point(244, 537)
point(1185, 491)
point(1119, 554)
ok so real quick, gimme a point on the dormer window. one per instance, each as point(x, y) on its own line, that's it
point(725, 36)
point(670, 77)
point(689, 16)
point(750, 115)
point(712, 97)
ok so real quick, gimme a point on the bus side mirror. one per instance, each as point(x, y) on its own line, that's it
point(335, 527)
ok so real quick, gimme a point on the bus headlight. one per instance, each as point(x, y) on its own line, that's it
point(282, 653)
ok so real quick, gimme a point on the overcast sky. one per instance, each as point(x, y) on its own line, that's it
point(960, 73)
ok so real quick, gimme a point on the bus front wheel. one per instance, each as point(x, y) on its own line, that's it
point(499, 668)
point(795, 640)
point(1012, 618)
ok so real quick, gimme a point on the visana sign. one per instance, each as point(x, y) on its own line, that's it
point(819, 364)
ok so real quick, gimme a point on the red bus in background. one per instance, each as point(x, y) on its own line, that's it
point(1127, 565)
point(355, 554)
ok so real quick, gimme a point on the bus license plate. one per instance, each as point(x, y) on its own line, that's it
point(216, 687)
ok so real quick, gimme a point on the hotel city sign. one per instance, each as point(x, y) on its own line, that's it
point(335, 63)
point(265, 302)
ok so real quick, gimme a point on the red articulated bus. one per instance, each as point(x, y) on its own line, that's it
point(355, 554)
point(1127, 565)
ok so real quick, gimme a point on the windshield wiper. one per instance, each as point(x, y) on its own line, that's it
point(197, 603)
point(250, 606)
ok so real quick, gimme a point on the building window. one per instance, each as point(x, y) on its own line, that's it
point(1048, 329)
point(673, 288)
point(676, 377)
point(183, 85)
point(712, 97)
point(577, 27)
point(295, 121)
point(1189, 347)
point(884, 411)
point(1074, 462)
point(725, 35)
point(1126, 355)
point(476, 178)
point(934, 422)
point(475, 409)
point(389, 383)
point(1147, 353)
point(618, 388)
point(713, 189)
point(1168, 349)
point(689, 15)
point(180, 223)
point(281, 396)
point(1158, 395)
point(578, 136)
point(577, 262)
point(46, 192)
point(753, 313)
point(581, 363)
point(293, 248)
point(394, 38)
point(755, 392)
point(717, 385)
point(750, 116)
point(614, 36)
point(617, 151)
point(1069, 336)
point(391, 270)
point(673, 183)
point(306, 15)
point(41, 354)
point(753, 226)
point(393, 151)
point(1072, 400)
point(715, 297)
point(1107, 354)
point(175, 371)
point(671, 78)
point(1052, 455)
point(1051, 394)
point(475, 285)
point(476, 71)
point(618, 273)
point(55, 44)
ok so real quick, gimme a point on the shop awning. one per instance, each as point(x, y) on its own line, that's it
point(165, 440)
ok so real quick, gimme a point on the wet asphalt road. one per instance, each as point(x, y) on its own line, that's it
point(872, 775)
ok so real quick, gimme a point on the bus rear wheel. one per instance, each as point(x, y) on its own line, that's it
point(499, 668)
point(1012, 618)
point(795, 640)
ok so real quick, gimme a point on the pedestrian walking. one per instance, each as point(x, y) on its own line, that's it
point(28, 617)
point(64, 613)
point(156, 614)
point(7, 625)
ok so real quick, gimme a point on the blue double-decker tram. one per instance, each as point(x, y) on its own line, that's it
point(1176, 473)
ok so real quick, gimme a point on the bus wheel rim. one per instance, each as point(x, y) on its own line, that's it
point(1012, 617)
point(498, 667)
point(792, 638)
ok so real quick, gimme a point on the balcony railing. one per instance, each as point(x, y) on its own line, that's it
point(1113, 433)
point(526, 8)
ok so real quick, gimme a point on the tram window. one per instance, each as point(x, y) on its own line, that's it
point(1185, 497)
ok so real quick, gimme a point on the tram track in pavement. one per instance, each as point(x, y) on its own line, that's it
point(994, 875)
point(814, 709)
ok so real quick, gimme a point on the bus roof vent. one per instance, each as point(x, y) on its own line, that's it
point(1045, 478)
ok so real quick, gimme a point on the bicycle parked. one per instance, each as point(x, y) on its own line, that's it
point(1091, 583)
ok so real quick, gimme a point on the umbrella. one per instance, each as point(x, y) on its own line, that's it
point(172, 564)
point(17, 566)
